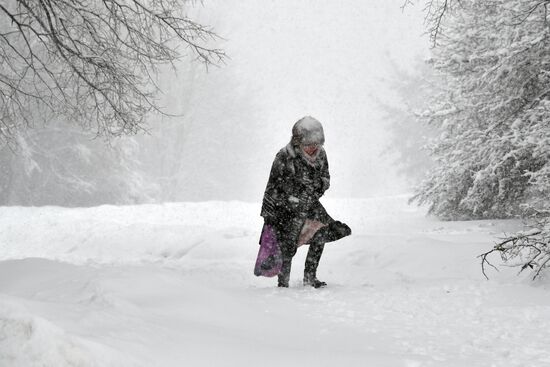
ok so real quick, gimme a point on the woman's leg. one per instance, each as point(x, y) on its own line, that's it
point(288, 232)
point(284, 275)
point(288, 250)
point(312, 262)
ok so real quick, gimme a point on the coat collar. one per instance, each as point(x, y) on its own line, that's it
point(295, 153)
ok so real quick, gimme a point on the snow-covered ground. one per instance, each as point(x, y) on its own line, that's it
point(172, 285)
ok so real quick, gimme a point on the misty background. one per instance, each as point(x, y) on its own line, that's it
point(350, 64)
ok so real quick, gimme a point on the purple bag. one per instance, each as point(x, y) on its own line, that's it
point(269, 260)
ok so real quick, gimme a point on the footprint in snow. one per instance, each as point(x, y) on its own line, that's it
point(236, 234)
point(179, 253)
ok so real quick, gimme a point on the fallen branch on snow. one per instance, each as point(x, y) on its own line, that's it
point(529, 249)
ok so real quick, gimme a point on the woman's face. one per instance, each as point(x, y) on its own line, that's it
point(310, 149)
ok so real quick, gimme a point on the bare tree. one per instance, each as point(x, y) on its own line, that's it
point(435, 11)
point(92, 62)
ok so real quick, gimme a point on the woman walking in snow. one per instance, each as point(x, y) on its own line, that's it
point(299, 177)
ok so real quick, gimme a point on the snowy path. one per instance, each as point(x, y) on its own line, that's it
point(172, 285)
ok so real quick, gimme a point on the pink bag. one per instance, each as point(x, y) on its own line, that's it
point(270, 259)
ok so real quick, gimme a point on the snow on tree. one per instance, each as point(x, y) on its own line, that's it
point(92, 63)
point(69, 67)
point(493, 148)
point(407, 137)
point(60, 165)
point(493, 114)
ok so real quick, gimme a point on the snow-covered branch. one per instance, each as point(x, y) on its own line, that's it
point(93, 63)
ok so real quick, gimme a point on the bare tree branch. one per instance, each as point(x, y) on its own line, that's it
point(91, 62)
point(530, 248)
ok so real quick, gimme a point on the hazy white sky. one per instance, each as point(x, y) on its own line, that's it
point(288, 58)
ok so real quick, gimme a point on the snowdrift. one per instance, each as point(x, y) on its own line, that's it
point(172, 285)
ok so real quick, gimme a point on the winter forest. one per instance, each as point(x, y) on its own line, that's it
point(148, 148)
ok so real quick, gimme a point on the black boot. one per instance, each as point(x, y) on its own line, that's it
point(314, 282)
point(284, 275)
point(312, 262)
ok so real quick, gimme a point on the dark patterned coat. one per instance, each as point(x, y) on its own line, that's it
point(293, 191)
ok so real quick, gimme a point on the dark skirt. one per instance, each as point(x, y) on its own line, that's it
point(288, 229)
